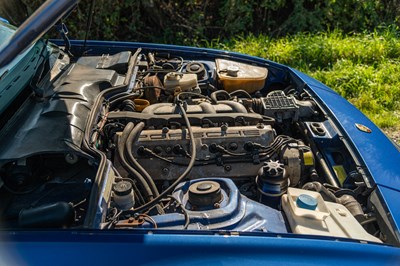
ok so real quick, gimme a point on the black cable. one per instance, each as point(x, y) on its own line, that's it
point(132, 137)
point(135, 174)
point(138, 196)
point(149, 219)
point(149, 71)
point(277, 144)
point(182, 176)
point(185, 213)
point(169, 65)
point(223, 150)
point(162, 158)
point(263, 156)
point(266, 151)
point(116, 96)
point(201, 162)
point(214, 95)
point(243, 92)
point(111, 217)
point(209, 85)
point(178, 97)
point(114, 102)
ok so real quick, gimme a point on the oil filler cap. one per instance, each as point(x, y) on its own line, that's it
point(305, 201)
point(196, 68)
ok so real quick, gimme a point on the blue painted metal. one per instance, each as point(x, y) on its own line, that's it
point(377, 152)
point(236, 212)
point(184, 248)
point(4, 20)
point(329, 144)
point(380, 157)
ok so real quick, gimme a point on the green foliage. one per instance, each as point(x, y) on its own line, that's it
point(373, 89)
point(364, 68)
point(186, 22)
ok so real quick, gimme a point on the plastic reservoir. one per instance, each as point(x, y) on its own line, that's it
point(180, 81)
point(309, 214)
point(239, 76)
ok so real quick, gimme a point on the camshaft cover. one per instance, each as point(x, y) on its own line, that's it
point(173, 145)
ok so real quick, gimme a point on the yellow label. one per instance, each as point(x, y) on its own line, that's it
point(340, 173)
point(308, 158)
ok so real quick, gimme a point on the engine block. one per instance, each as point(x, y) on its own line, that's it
point(220, 151)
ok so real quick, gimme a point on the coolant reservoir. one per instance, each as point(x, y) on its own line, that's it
point(239, 76)
point(177, 82)
point(309, 214)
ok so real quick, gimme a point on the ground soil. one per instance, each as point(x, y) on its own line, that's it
point(393, 133)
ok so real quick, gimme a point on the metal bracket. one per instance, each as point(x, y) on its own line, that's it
point(63, 30)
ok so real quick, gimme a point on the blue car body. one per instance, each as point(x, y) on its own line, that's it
point(376, 158)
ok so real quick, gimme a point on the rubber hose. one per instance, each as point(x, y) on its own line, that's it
point(115, 102)
point(240, 92)
point(318, 187)
point(181, 177)
point(214, 95)
point(135, 174)
point(346, 200)
point(132, 137)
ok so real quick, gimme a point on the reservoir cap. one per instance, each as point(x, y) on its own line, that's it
point(232, 71)
point(122, 188)
point(306, 202)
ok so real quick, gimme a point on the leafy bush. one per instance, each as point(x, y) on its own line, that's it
point(364, 68)
point(186, 22)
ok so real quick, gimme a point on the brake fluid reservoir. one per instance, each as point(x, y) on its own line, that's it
point(123, 195)
point(309, 214)
point(177, 82)
point(234, 76)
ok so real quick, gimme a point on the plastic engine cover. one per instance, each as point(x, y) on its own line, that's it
point(233, 211)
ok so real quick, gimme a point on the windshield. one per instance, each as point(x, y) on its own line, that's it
point(6, 31)
point(15, 76)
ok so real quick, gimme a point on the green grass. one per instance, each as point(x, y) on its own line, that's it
point(363, 68)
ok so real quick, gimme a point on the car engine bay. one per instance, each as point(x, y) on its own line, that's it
point(148, 140)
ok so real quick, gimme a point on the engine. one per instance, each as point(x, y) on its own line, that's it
point(183, 142)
